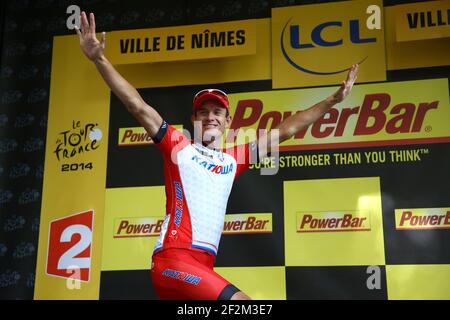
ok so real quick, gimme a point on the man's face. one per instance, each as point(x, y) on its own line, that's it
point(211, 119)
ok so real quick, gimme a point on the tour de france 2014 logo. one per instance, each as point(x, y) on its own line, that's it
point(77, 140)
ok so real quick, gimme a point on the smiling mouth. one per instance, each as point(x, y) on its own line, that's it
point(210, 126)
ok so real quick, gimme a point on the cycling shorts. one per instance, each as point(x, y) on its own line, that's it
point(184, 274)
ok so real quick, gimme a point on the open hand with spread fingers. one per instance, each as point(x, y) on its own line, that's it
point(346, 85)
point(91, 46)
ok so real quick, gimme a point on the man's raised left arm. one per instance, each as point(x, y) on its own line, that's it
point(302, 119)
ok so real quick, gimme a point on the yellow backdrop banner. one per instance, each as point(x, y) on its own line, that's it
point(422, 20)
point(204, 41)
point(314, 45)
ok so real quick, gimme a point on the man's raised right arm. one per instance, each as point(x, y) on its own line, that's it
point(93, 49)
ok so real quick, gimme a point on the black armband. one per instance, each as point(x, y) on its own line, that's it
point(161, 132)
point(228, 292)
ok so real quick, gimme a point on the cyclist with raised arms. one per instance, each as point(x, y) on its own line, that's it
point(198, 176)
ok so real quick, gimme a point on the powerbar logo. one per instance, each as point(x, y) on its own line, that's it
point(375, 118)
point(137, 227)
point(248, 223)
point(136, 136)
point(422, 219)
point(234, 224)
point(333, 221)
point(183, 276)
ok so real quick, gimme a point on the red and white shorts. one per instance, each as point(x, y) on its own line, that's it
point(183, 274)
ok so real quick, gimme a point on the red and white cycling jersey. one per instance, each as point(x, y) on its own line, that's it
point(198, 184)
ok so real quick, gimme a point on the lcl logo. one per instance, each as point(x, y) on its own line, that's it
point(316, 35)
point(346, 33)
